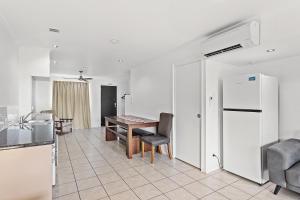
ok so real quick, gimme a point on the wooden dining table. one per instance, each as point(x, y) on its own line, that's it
point(129, 122)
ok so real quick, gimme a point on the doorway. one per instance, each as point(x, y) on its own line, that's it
point(187, 109)
point(108, 102)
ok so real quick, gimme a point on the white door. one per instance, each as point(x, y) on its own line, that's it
point(241, 144)
point(187, 106)
point(242, 92)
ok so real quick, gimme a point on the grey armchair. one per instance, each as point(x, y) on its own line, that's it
point(284, 165)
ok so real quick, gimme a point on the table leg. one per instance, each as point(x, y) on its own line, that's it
point(129, 143)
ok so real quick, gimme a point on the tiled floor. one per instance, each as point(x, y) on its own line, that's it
point(90, 168)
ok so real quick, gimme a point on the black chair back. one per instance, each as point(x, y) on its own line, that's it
point(165, 124)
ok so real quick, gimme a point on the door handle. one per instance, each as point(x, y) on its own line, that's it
point(115, 104)
point(199, 116)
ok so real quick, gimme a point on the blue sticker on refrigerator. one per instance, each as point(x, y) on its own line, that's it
point(251, 78)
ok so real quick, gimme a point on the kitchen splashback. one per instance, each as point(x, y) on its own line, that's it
point(3, 117)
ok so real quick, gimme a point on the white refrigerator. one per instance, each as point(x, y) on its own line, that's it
point(250, 124)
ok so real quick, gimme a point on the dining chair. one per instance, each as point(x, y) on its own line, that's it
point(162, 136)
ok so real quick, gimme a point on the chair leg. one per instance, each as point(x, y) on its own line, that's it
point(277, 188)
point(143, 149)
point(170, 151)
point(159, 149)
point(152, 153)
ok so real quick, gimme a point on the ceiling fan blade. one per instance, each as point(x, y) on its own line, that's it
point(70, 78)
point(88, 78)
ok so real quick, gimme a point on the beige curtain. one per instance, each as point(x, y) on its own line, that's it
point(71, 100)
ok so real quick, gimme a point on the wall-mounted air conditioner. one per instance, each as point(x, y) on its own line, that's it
point(244, 36)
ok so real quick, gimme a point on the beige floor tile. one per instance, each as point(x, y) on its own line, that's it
point(94, 158)
point(170, 171)
point(136, 181)
point(103, 169)
point(86, 150)
point(226, 177)
point(197, 189)
point(116, 187)
point(84, 174)
point(64, 164)
point(65, 178)
point(145, 169)
point(153, 176)
point(267, 195)
point(147, 192)
point(127, 195)
point(81, 165)
point(160, 165)
point(213, 183)
point(109, 177)
point(135, 162)
point(160, 197)
point(98, 163)
point(181, 166)
point(73, 196)
point(248, 187)
point(127, 172)
point(92, 193)
point(233, 193)
point(180, 194)
point(121, 165)
point(196, 174)
point(63, 171)
point(214, 196)
point(253, 198)
point(165, 185)
point(79, 161)
point(82, 169)
point(182, 179)
point(88, 183)
point(64, 189)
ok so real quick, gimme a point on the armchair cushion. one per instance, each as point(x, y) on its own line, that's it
point(287, 151)
point(293, 175)
point(282, 156)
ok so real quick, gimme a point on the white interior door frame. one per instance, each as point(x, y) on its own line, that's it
point(202, 109)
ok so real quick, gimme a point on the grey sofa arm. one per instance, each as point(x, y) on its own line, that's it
point(282, 156)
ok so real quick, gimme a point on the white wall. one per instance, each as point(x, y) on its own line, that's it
point(95, 93)
point(214, 73)
point(151, 87)
point(151, 90)
point(33, 61)
point(288, 73)
point(41, 94)
point(151, 83)
point(8, 68)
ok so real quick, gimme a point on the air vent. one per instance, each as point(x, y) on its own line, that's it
point(54, 30)
point(223, 50)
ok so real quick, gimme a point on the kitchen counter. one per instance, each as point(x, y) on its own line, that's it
point(27, 157)
point(33, 134)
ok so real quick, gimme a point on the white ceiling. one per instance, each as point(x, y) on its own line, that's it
point(145, 29)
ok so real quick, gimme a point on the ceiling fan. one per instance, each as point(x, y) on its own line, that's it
point(81, 78)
